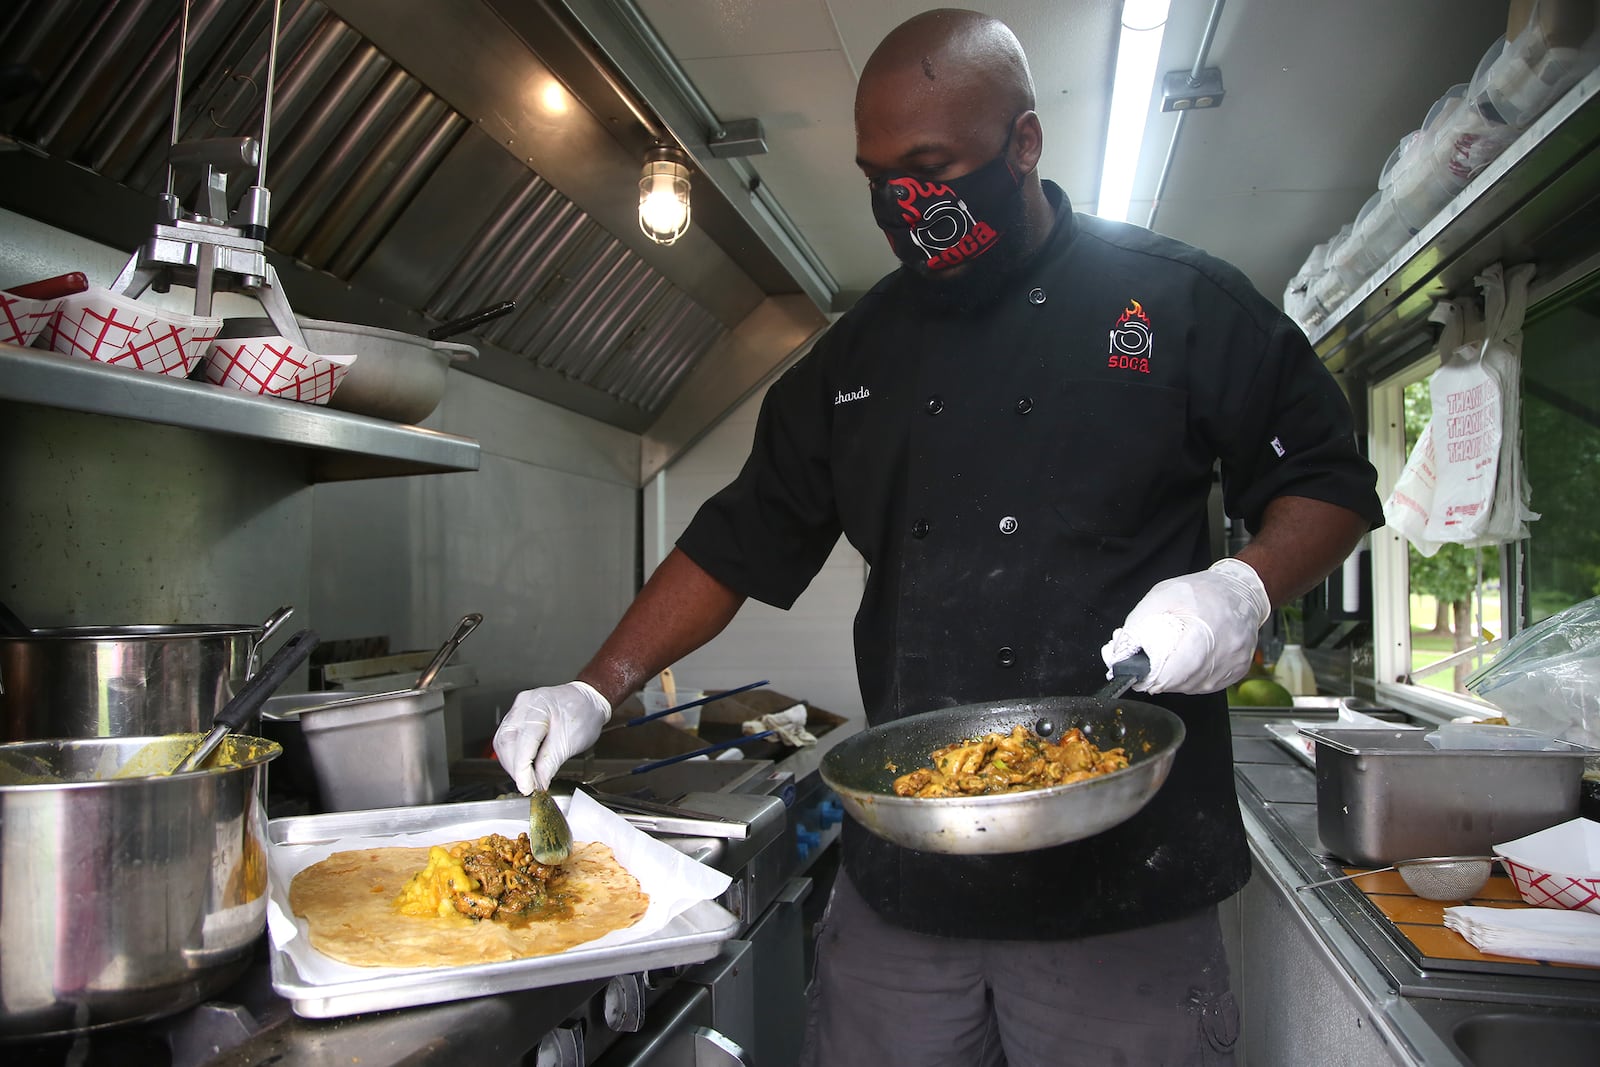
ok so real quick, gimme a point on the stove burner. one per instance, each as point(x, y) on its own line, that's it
point(187, 1039)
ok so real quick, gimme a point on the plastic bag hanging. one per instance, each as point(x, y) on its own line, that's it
point(1505, 299)
point(1463, 482)
point(1411, 504)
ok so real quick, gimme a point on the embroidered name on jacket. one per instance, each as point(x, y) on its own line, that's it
point(845, 398)
point(1131, 339)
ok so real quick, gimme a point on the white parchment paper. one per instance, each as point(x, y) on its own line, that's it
point(673, 881)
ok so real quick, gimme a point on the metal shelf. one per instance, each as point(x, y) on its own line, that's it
point(339, 446)
point(1537, 202)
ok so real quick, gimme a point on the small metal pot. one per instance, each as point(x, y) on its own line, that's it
point(126, 896)
point(121, 681)
point(366, 750)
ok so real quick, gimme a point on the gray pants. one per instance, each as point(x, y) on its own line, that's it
point(887, 997)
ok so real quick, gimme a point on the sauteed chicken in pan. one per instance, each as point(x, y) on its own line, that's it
point(1009, 763)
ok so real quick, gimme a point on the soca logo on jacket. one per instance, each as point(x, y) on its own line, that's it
point(1130, 340)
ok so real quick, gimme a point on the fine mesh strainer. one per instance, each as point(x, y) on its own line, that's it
point(1433, 877)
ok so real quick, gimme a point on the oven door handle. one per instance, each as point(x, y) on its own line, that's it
point(712, 1049)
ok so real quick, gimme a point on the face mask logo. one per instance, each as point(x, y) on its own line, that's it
point(935, 225)
point(938, 222)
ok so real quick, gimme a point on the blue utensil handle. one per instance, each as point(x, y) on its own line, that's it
point(695, 703)
point(700, 752)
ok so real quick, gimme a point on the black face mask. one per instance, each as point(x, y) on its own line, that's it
point(936, 225)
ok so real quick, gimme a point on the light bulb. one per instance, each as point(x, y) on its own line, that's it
point(664, 195)
point(661, 209)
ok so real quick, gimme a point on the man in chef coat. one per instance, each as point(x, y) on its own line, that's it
point(1017, 429)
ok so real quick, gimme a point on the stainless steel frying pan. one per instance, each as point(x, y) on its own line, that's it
point(862, 769)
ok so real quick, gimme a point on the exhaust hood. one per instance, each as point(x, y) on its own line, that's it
point(426, 160)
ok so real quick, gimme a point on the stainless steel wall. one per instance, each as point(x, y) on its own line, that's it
point(541, 540)
point(113, 521)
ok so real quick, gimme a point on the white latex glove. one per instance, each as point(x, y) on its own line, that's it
point(1199, 630)
point(546, 727)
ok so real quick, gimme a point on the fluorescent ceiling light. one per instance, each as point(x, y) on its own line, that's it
point(1144, 22)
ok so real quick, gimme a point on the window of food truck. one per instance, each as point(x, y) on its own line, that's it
point(1459, 605)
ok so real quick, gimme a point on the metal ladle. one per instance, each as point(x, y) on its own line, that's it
point(467, 624)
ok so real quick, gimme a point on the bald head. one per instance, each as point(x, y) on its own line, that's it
point(947, 59)
point(945, 93)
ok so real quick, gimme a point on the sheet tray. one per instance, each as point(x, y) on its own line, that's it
point(692, 936)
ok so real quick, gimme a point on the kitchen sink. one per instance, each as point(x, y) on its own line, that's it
point(1514, 1039)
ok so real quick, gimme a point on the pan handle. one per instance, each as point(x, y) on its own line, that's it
point(268, 628)
point(1135, 665)
point(472, 321)
point(719, 746)
point(685, 706)
point(467, 624)
point(1124, 673)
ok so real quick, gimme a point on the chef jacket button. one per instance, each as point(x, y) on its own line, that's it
point(920, 528)
point(1036, 296)
point(1024, 406)
point(1006, 657)
point(1008, 525)
point(935, 405)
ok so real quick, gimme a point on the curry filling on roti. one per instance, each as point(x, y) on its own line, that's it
point(478, 901)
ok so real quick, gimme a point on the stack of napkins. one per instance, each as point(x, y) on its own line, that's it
point(790, 724)
point(1530, 933)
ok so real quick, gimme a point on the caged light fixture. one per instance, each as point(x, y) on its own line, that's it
point(664, 194)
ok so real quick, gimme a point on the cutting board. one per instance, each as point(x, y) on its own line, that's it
point(1420, 931)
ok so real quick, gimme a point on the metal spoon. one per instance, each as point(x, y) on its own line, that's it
point(249, 699)
point(467, 624)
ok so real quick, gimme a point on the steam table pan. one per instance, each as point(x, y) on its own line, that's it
point(1387, 795)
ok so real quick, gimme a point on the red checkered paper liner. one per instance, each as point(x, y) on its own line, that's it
point(104, 327)
point(1558, 867)
point(1546, 890)
point(275, 366)
point(22, 318)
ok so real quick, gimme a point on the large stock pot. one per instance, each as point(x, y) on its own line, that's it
point(127, 893)
point(120, 681)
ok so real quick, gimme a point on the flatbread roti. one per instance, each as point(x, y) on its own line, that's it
point(347, 901)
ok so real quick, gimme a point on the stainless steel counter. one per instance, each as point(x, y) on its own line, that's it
point(1438, 1017)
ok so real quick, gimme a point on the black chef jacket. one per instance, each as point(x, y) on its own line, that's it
point(1017, 479)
